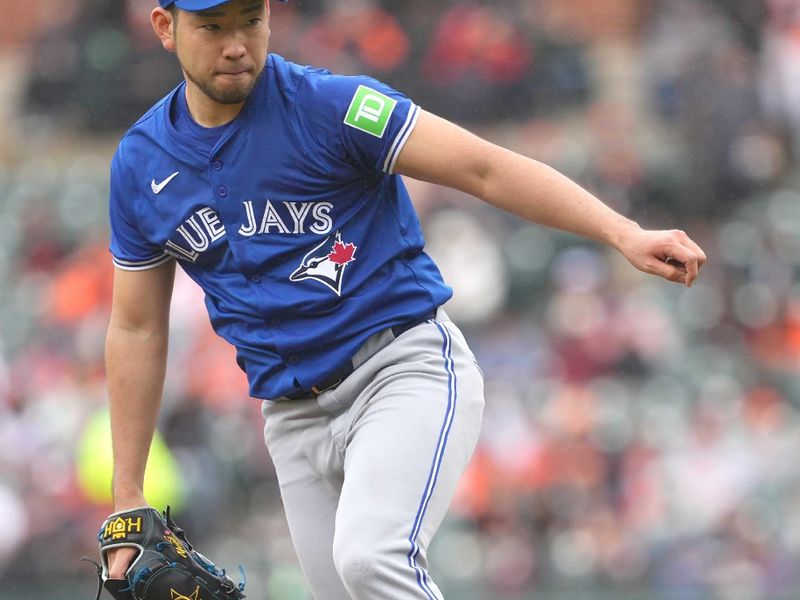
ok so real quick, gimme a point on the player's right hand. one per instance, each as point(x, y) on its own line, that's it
point(119, 561)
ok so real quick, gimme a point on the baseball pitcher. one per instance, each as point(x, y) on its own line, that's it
point(276, 187)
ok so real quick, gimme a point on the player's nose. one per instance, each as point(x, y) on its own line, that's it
point(235, 48)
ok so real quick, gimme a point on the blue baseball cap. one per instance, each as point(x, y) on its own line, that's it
point(195, 5)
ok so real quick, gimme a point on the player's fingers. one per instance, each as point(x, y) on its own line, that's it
point(119, 560)
point(692, 245)
point(689, 259)
point(669, 269)
point(688, 264)
point(675, 275)
point(674, 262)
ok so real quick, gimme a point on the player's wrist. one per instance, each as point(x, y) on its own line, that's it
point(128, 498)
point(619, 233)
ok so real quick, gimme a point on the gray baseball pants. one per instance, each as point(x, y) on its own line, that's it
point(367, 470)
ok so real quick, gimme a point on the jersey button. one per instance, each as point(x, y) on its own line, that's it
point(222, 191)
point(293, 360)
point(255, 278)
point(217, 165)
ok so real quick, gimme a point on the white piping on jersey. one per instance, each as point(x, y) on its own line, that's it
point(128, 265)
point(401, 139)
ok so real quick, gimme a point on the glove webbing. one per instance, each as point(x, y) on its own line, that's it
point(99, 568)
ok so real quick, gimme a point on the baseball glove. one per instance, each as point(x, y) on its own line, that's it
point(167, 566)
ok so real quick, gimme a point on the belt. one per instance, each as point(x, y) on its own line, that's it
point(339, 376)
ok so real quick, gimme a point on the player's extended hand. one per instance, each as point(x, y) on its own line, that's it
point(670, 254)
point(120, 559)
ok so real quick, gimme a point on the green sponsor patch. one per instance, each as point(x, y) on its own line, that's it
point(370, 111)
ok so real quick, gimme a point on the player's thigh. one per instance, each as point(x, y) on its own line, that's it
point(410, 440)
point(301, 446)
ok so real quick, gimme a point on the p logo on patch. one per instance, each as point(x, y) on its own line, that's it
point(370, 111)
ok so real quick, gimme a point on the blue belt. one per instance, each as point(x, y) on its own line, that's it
point(339, 376)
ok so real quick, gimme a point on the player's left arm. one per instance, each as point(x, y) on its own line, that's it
point(440, 152)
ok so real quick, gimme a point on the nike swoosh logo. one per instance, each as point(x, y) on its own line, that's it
point(157, 187)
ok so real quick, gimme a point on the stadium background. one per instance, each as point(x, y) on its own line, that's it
point(640, 439)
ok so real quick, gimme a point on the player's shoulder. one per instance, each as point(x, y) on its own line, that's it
point(324, 85)
point(286, 73)
point(295, 79)
point(317, 84)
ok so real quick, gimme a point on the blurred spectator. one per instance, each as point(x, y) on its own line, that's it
point(780, 60)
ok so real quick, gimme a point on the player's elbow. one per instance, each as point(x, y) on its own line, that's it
point(486, 172)
point(124, 331)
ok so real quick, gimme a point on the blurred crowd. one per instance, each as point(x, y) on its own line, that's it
point(638, 436)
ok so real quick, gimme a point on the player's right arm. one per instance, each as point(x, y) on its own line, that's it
point(136, 357)
point(441, 152)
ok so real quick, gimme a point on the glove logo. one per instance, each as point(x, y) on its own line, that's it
point(119, 528)
point(172, 539)
point(326, 263)
point(178, 596)
point(168, 568)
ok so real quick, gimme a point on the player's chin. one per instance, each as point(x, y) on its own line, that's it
point(232, 81)
point(232, 94)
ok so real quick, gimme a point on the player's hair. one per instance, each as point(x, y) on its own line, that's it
point(173, 10)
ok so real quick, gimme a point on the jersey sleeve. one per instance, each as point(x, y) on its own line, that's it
point(130, 250)
point(357, 118)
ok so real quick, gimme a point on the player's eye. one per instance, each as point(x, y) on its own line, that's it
point(211, 27)
point(254, 22)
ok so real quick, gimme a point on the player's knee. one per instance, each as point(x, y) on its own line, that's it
point(355, 569)
point(359, 563)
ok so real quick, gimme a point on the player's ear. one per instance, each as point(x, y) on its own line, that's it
point(163, 23)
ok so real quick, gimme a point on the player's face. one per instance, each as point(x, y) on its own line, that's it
point(223, 50)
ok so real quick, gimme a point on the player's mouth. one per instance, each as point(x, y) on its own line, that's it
point(235, 74)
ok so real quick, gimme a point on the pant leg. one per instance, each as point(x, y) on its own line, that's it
point(298, 437)
point(409, 438)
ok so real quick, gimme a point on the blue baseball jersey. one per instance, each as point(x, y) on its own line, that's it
point(303, 240)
